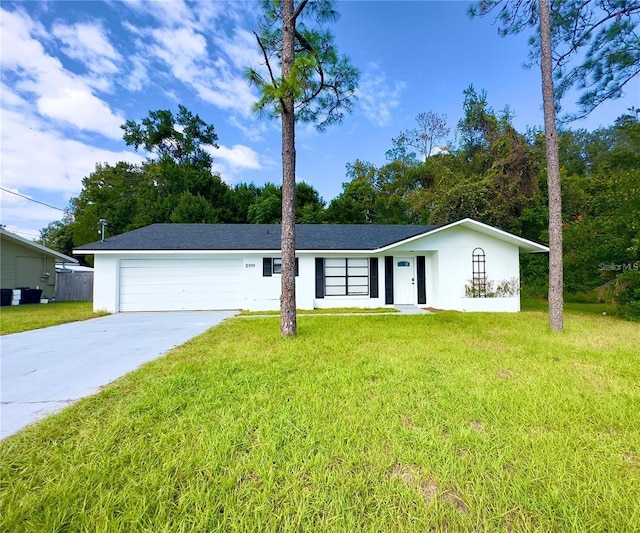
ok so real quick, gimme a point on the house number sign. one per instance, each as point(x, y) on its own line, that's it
point(249, 265)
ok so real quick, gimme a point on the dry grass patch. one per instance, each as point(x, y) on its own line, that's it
point(430, 491)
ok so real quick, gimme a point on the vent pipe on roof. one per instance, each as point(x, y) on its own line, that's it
point(102, 223)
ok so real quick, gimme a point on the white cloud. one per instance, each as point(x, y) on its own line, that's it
point(88, 44)
point(210, 12)
point(169, 13)
point(203, 47)
point(241, 49)
point(239, 157)
point(180, 48)
point(38, 159)
point(232, 162)
point(230, 93)
point(137, 75)
point(174, 13)
point(378, 96)
point(216, 80)
point(82, 109)
point(252, 130)
point(35, 156)
point(58, 93)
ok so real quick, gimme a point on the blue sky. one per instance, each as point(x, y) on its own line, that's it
point(73, 72)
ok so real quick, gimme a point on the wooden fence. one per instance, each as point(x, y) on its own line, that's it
point(74, 286)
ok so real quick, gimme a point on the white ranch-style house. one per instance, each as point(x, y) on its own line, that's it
point(170, 267)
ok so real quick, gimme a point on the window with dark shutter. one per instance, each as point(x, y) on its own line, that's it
point(422, 280)
point(319, 277)
point(273, 265)
point(266, 266)
point(373, 277)
point(388, 280)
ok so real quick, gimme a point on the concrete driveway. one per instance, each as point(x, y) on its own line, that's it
point(47, 369)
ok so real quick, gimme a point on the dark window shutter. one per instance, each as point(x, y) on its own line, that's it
point(422, 280)
point(373, 277)
point(266, 266)
point(319, 277)
point(388, 279)
point(297, 266)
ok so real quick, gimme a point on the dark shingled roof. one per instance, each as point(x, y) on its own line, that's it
point(256, 237)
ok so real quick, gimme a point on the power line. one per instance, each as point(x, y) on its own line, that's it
point(31, 199)
point(24, 233)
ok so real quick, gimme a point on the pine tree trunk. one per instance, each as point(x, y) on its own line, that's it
point(553, 173)
point(288, 326)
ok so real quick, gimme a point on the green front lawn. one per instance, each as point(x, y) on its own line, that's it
point(442, 422)
point(571, 307)
point(17, 318)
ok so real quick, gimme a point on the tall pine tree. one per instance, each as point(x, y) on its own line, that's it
point(305, 80)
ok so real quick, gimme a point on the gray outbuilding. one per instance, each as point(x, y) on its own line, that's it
point(26, 264)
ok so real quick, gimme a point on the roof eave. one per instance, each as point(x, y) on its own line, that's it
point(36, 246)
point(225, 251)
point(524, 245)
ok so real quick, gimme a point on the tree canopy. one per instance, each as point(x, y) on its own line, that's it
point(182, 138)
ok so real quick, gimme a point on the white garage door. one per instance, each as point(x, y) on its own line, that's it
point(180, 284)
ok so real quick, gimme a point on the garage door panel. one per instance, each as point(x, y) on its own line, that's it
point(220, 288)
point(179, 306)
point(185, 281)
point(185, 296)
point(184, 271)
point(174, 263)
point(143, 299)
point(180, 284)
point(191, 269)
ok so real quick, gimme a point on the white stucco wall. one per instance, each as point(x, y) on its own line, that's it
point(450, 268)
point(105, 283)
point(432, 267)
point(262, 293)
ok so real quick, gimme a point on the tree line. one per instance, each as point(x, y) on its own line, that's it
point(489, 172)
